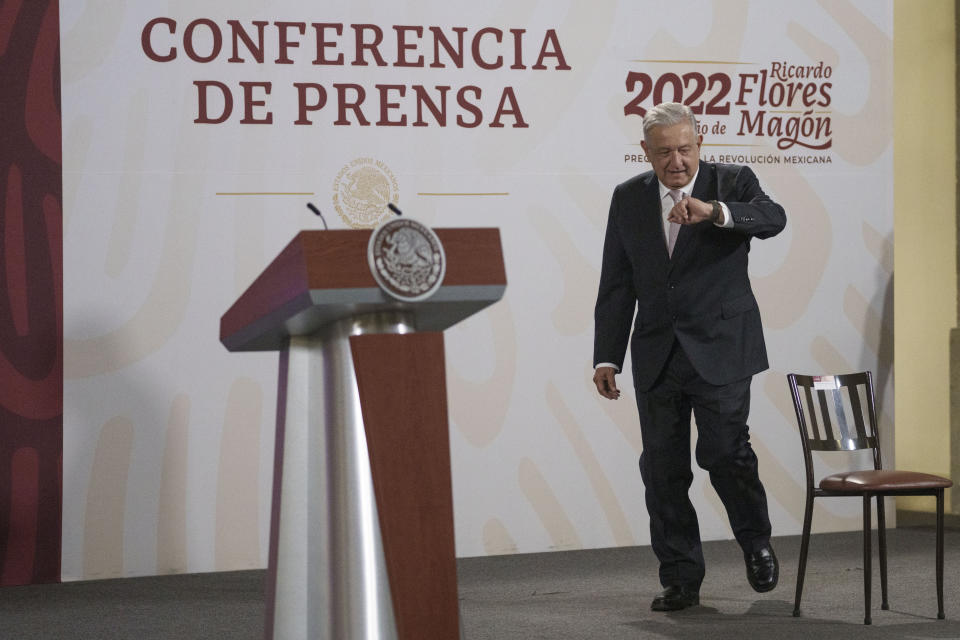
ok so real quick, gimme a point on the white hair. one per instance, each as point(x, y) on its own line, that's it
point(667, 114)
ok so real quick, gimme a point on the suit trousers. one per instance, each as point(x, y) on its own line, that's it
point(723, 449)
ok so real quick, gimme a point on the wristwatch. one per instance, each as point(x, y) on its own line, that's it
point(715, 214)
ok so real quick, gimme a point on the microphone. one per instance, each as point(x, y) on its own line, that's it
point(394, 208)
point(317, 211)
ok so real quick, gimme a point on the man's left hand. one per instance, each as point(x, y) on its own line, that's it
point(690, 211)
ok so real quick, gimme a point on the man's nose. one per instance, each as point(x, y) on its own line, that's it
point(676, 160)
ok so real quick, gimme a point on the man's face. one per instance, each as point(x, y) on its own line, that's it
point(674, 152)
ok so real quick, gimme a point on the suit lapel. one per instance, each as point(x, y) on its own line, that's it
point(652, 220)
point(703, 189)
point(643, 224)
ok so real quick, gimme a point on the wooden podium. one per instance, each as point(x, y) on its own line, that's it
point(361, 535)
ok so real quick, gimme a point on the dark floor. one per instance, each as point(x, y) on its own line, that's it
point(598, 595)
point(605, 594)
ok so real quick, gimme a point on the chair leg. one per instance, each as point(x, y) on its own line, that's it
point(804, 547)
point(866, 558)
point(882, 544)
point(940, 554)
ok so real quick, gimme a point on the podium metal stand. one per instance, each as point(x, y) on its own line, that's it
point(361, 534)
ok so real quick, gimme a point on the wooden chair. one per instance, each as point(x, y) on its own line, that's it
point(837, 413)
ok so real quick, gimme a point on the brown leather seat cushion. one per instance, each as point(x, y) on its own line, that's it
point(883, 480)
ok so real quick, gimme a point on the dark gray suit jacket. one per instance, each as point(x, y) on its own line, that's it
point(700, 296)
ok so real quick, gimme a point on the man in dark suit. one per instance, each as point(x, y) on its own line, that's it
point(675, 253)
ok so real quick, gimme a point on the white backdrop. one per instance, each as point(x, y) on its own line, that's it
point(168, 438)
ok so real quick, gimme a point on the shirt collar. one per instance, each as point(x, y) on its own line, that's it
point(687, 188)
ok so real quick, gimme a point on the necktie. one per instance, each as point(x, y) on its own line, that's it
point(677, 196)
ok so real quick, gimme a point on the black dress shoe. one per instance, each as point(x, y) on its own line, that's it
point(763, 570)
point(674, 598)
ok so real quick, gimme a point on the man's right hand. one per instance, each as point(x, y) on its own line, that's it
point(605, 379)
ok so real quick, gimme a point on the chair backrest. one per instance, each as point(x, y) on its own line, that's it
point(836, 413)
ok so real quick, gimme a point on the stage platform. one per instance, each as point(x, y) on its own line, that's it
point(576, 595)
